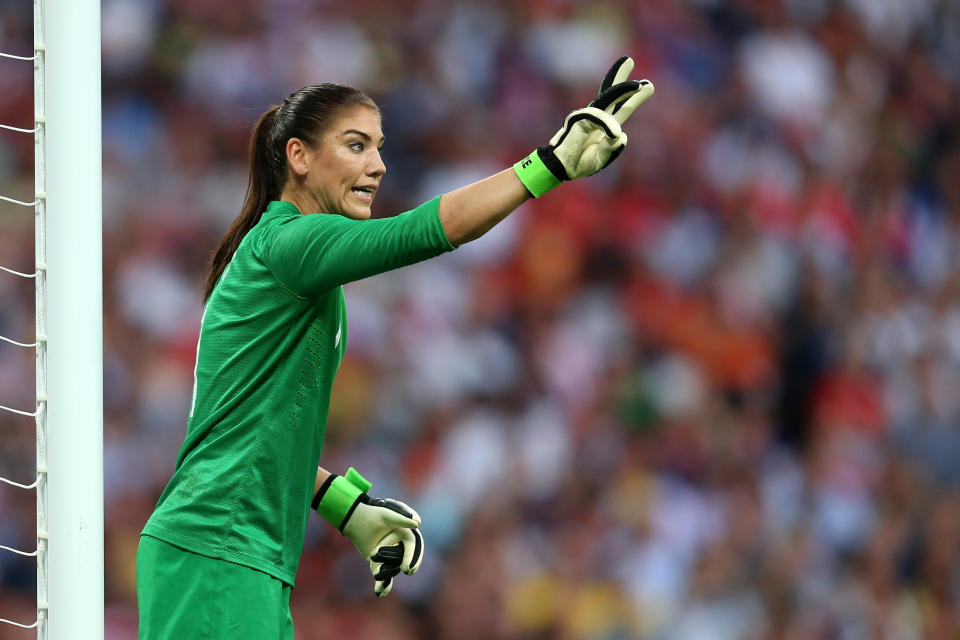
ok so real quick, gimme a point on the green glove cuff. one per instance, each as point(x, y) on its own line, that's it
point(338, 496)
point(534, 175)
point(353, 477)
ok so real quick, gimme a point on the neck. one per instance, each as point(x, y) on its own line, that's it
point(302, 201)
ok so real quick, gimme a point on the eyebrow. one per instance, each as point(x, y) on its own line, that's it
point(363, 135)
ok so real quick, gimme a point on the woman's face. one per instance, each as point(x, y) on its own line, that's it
point(344, 168)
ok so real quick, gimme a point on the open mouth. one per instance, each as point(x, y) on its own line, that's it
point(364, 193)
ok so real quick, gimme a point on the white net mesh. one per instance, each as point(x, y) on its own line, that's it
point(38, 483)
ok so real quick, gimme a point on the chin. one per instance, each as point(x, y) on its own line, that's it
point(361, 214)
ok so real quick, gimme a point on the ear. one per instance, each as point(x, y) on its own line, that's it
point(297, 156)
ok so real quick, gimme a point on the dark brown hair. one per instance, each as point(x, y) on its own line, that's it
point(304, 114)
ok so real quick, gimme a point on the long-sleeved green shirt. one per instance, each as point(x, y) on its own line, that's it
point(272, 337)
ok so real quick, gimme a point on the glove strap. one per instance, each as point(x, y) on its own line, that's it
point(535, 173)
point(339, 496)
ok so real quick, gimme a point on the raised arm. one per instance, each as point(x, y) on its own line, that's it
point(471, 211)
point(315, 253)
point(590, 139)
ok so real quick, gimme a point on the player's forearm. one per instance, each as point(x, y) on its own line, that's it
point(471, 211)
point(322, 475)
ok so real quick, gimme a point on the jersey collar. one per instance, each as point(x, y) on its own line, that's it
point(281, 207)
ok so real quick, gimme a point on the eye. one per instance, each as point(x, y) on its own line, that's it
point(356, 146)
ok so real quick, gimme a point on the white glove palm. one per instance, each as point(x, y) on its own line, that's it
point(587, 142)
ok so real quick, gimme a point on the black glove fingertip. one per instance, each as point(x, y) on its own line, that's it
point(393, 505)
point(386, 572)
point(390, 555)
point(417, 551)
point(614, 93)
point(611, 74)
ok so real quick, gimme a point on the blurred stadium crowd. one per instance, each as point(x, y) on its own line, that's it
point(709, 394)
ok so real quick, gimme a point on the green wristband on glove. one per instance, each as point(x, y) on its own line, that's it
point(337, 498)
point(535, 175)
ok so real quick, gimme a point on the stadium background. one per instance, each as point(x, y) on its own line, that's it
point(710, 394)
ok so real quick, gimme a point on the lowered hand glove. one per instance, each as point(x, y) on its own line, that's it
point(384, 531)
point(590, 138)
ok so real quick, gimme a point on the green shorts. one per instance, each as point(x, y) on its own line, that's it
point(182, 595)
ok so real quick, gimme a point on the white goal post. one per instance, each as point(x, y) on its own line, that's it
point(69, 321)
point(68, 43)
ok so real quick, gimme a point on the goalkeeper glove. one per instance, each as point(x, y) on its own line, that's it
point(384, 531)
point(590, 138)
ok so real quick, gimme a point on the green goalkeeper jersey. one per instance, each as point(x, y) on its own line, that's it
point(272, 337)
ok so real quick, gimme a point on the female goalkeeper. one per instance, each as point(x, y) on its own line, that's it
point(218, 556)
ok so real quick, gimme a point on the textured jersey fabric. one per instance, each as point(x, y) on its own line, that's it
point(272, 337)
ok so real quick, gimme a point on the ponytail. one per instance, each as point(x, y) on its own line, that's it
point(304, 114)
point(261, 189)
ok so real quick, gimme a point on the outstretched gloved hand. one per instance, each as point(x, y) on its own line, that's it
point(590, 138)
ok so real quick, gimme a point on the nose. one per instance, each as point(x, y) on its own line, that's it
point(376, 168)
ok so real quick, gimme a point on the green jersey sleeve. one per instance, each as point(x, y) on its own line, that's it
point(312, 254)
